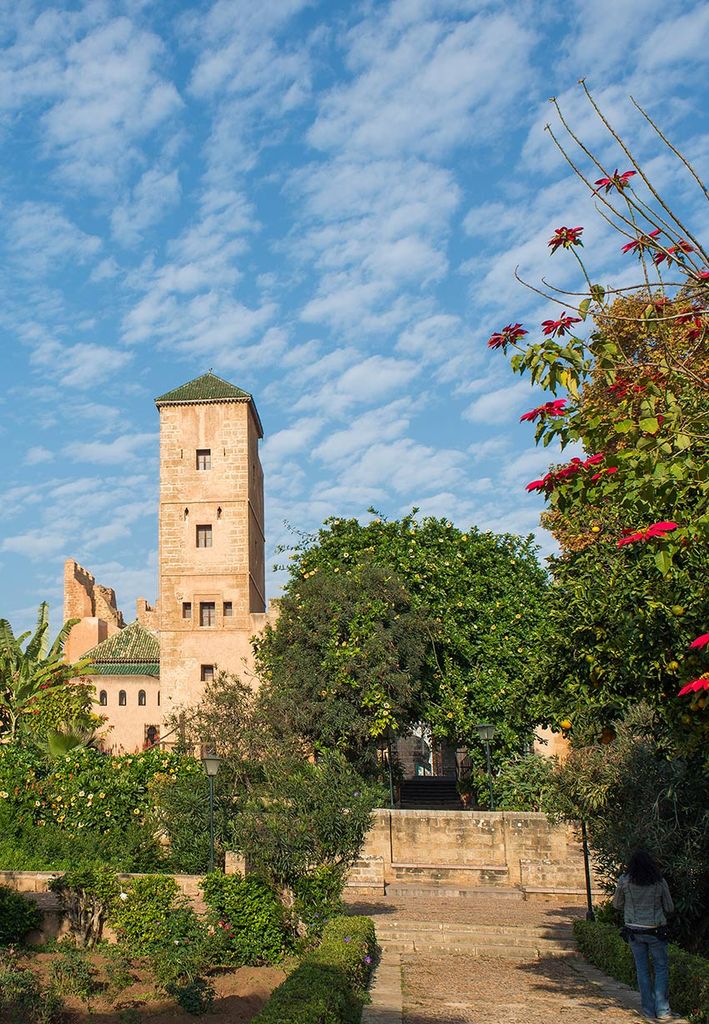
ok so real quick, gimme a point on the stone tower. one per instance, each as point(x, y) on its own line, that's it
point(211, 536)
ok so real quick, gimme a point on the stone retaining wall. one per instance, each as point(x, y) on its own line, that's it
point(502, 849)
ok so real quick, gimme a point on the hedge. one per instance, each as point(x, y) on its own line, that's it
point(689, 974)
point(329, 986)
point(18, 916)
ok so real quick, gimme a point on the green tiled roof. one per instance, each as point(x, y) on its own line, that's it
point(207, 388)
point(133, 651)
point(120, 668)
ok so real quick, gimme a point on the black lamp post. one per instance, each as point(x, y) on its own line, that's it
point(211, 766)
point(485, 733)
point(590, 916)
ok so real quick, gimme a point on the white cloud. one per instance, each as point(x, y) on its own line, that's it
point(383, 424)
point(38, 454)
point(41, 239)
point(36, 544)
point(500, 405)
point(150, 198)
point(124, 449)
point(81, 365)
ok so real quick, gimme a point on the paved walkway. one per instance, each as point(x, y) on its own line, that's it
point(428, 982)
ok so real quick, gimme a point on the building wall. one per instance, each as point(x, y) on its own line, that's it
point(229, 498)
point(93, 604)
point(128, 724)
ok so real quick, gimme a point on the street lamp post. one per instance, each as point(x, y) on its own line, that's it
point(211, 766)
point(485, 733)
point(590, 916)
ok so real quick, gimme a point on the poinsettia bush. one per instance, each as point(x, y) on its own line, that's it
point(627, 372)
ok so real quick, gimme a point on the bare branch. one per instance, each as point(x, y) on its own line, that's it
point(676, 151)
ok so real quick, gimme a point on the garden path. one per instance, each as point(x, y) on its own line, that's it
point(486, 959)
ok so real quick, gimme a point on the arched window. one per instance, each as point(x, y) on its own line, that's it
point(141, 698)
point(103, 698)
point(122, 698)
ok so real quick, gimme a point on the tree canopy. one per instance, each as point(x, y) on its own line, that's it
point(480, 600)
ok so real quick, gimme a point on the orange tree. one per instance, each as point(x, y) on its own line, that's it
point(478, 604)
point(627, 372)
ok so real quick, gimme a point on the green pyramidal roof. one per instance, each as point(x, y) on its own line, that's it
point(133, 651)
point(207, 388)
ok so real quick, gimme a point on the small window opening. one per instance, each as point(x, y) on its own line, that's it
point(158, 698)
point(228, 610)
point(206, 673)
point(103, 698)
point(186, 609)
point(141, 698)
point(219, 512)
point(207, 613)
point(204, 458)
point(187, 513)
point(122, 698)
point(204, 536)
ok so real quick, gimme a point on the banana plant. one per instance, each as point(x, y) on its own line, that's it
point(26, 671)
point(71, 736)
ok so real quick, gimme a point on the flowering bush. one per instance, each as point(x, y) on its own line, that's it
point(634, 393)
point(86, 789)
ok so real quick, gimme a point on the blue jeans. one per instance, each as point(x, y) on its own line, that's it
point(654, 998)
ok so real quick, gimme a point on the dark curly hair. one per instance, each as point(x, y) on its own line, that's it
point(642, 869)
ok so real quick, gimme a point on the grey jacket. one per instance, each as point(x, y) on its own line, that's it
point(644, 906)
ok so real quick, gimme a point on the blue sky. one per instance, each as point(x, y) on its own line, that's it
point(324, 202)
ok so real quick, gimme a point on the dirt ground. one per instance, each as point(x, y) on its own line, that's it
point(241, 993)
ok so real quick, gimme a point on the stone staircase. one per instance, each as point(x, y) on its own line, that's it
point(511, 942)
point(429, 793)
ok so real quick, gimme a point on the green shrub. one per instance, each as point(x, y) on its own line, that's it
point(18, 916)
point(689, 974)
point(151, 913)
point(73, 974)
point(23, 1001)
point(525, 784)
point(86, 896)
point(318, 897)
point(118, 970)
point(329, 987)
point(250, 916)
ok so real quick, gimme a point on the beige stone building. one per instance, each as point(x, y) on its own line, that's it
point(211, 569)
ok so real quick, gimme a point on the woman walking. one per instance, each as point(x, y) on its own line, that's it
point(644, 896)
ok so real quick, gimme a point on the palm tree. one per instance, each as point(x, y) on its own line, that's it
point(26, 672)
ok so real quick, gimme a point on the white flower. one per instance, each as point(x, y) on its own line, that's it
point(123, 895)
point(4, 795)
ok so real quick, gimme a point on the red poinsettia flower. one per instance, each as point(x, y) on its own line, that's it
point(681, 246)
point(619, 180)
point(593, 460)
point(656, 530)
point(564, 238)
point(695, 686)
point(701, 641)
point(557, 328)
point(641, 243)
point(604, 472)
point(508, 335)
point(703, 275)
point(536, 485)
point(555, 408)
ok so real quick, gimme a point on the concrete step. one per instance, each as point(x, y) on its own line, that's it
point(443, 890)
point(531, 951)
point(433, 929)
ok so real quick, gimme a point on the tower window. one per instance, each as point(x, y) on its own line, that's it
point(122, 698)
point(103, 698)
point(206, 673)
point(204, 536)
point(228, 610)
point(141, 698)
point(186, 609)
point(204, 458)
point(158, 698)
point(207, 613)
